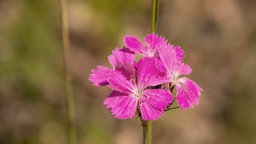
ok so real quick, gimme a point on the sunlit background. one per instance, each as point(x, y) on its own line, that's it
point(218, 36)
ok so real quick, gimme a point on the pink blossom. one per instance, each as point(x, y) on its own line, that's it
point(143, 87)
point(128, 95)
point(188, 91)
point(152, 43)
point(149, 49)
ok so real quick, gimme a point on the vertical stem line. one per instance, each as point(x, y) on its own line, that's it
point(71, 131)
point(147, 132)
point(154, 15)
point(147, 125)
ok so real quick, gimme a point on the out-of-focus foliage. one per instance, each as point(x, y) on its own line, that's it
point(219, 38)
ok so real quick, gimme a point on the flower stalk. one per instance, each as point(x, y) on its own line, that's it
point(147, 132)
point(68, 78)
point(147, 125)
point(154, 15)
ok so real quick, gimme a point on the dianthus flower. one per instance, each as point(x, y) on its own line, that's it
point(146, 87)
point(187, 90)
point(130, 94)
point(152, 43)
point(149, 49)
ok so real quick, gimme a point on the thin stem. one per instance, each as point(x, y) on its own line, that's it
point(171, 108)
point(147, 132)
point(147, 125)
point(68, 78)
point(154, 18)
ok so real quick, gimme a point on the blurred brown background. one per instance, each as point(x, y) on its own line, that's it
point(218, 36)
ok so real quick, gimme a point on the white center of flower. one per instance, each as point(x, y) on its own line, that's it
point(175, 74)
point(137, 92)
point(150, 53)
point(174, 77)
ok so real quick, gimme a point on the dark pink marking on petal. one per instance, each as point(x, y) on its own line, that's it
point(123, 60)
point(127, 70)
point(179, 52)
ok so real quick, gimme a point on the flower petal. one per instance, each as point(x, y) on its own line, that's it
point(153, 103)
point(122, 106)
point(182, 97)
point(172, 61)
point(148, 112)
point(184, 69)
point(158, 98)
point(188, 93)
point(100, 76)
point(154, 41)
point(193, 90)
point(123, 60)
point(168, 57)
point(148, 72)
point(127, 70)
point(179, 52)
point(118, 82)
point(133, 44)
point(121, 56)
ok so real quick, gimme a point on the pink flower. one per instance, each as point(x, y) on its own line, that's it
point(143, 87)
point(152, 43)
point(149, 49)
point(130, 95)
point(121, 60)
point(188, 91)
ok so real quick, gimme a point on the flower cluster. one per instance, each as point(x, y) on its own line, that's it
point(146, 87)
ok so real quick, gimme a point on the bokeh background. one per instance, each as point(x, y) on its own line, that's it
point(218, 36)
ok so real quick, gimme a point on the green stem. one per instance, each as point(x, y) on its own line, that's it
point(147, 125)
point(68, 78)
point(154, 18)
point(147, 132)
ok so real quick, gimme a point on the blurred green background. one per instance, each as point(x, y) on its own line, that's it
point(219, 38)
